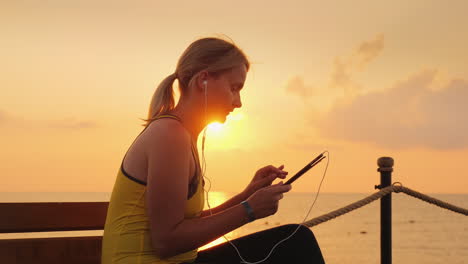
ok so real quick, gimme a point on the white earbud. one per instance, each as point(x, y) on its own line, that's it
point(205, 83)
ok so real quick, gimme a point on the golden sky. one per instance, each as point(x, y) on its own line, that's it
point(361, 79)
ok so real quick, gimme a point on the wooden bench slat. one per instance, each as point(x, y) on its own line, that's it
point(54, 216)
point(68, 250)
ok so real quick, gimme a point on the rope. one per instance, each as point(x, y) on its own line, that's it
point(431, 200)
point(378, 195)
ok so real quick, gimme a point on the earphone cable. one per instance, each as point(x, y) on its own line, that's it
point(207, 192)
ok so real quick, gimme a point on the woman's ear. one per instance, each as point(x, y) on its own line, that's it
point(202, 77)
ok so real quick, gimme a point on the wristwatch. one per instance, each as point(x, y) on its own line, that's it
point(249, 211)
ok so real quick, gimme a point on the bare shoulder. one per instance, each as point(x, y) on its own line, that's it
point(165, 133)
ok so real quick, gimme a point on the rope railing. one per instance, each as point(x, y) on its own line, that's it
point(378, 195)
point(385, 195)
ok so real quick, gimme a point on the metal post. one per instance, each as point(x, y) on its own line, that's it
point(385, 169)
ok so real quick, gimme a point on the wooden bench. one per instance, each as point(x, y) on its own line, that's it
point(46, 217)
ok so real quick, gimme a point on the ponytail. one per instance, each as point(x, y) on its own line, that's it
point(163, 99)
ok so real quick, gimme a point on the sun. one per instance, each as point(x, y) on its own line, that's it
point(226, 135)
point(216, 128)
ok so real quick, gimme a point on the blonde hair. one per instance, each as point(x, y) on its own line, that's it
point(214, 55)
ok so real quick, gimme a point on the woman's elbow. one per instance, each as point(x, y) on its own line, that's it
point(163, 248)
point(165, 242)
point(162, 254)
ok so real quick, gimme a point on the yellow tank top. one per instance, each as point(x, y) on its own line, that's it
point(126, 236)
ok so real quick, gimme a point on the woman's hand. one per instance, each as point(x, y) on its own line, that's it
point(263, 178)
point(264, 202)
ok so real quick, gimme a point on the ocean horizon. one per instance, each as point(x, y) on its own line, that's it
point(421, 232)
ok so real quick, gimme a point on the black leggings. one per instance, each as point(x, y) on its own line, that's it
point(300, 248)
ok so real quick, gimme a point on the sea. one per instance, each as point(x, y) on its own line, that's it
point(421, 232)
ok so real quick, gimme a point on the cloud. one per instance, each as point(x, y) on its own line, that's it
point(409, 114)
point(368, 50)
point(342, 76)
point(296, 86)
point(18, 122)
point(72, 124)
point(345, 68)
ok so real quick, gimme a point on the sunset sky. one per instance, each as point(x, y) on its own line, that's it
point(361, 79)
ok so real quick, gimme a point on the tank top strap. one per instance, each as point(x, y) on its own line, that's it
point(197, 163)
point(198, 170)
point(141, 132)
point(193, 184)
point(168, 116)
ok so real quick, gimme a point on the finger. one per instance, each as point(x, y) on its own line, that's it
point(277, 174)
point(280, 170)
point(276, 185)
point(267, 169)
point(271, 168)
point(279, 196)
point(268, 180)
point(281, 188)
point(282, 173)
point(273, 176)
point(274, 173)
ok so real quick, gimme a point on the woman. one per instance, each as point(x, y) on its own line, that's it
point(156, 211)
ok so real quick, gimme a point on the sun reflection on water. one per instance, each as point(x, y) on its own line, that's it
point(217, 198)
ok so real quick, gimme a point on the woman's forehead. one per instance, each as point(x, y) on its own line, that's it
point(238, 73)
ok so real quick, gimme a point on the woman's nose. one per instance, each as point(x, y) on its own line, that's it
point(237, 102)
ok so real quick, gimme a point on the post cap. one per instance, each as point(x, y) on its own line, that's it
point(385, 164)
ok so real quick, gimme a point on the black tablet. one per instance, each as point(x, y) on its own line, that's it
point(306, 168)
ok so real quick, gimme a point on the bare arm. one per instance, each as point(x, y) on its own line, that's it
point(196, 232)
point(235, 200)
point(168, 156)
